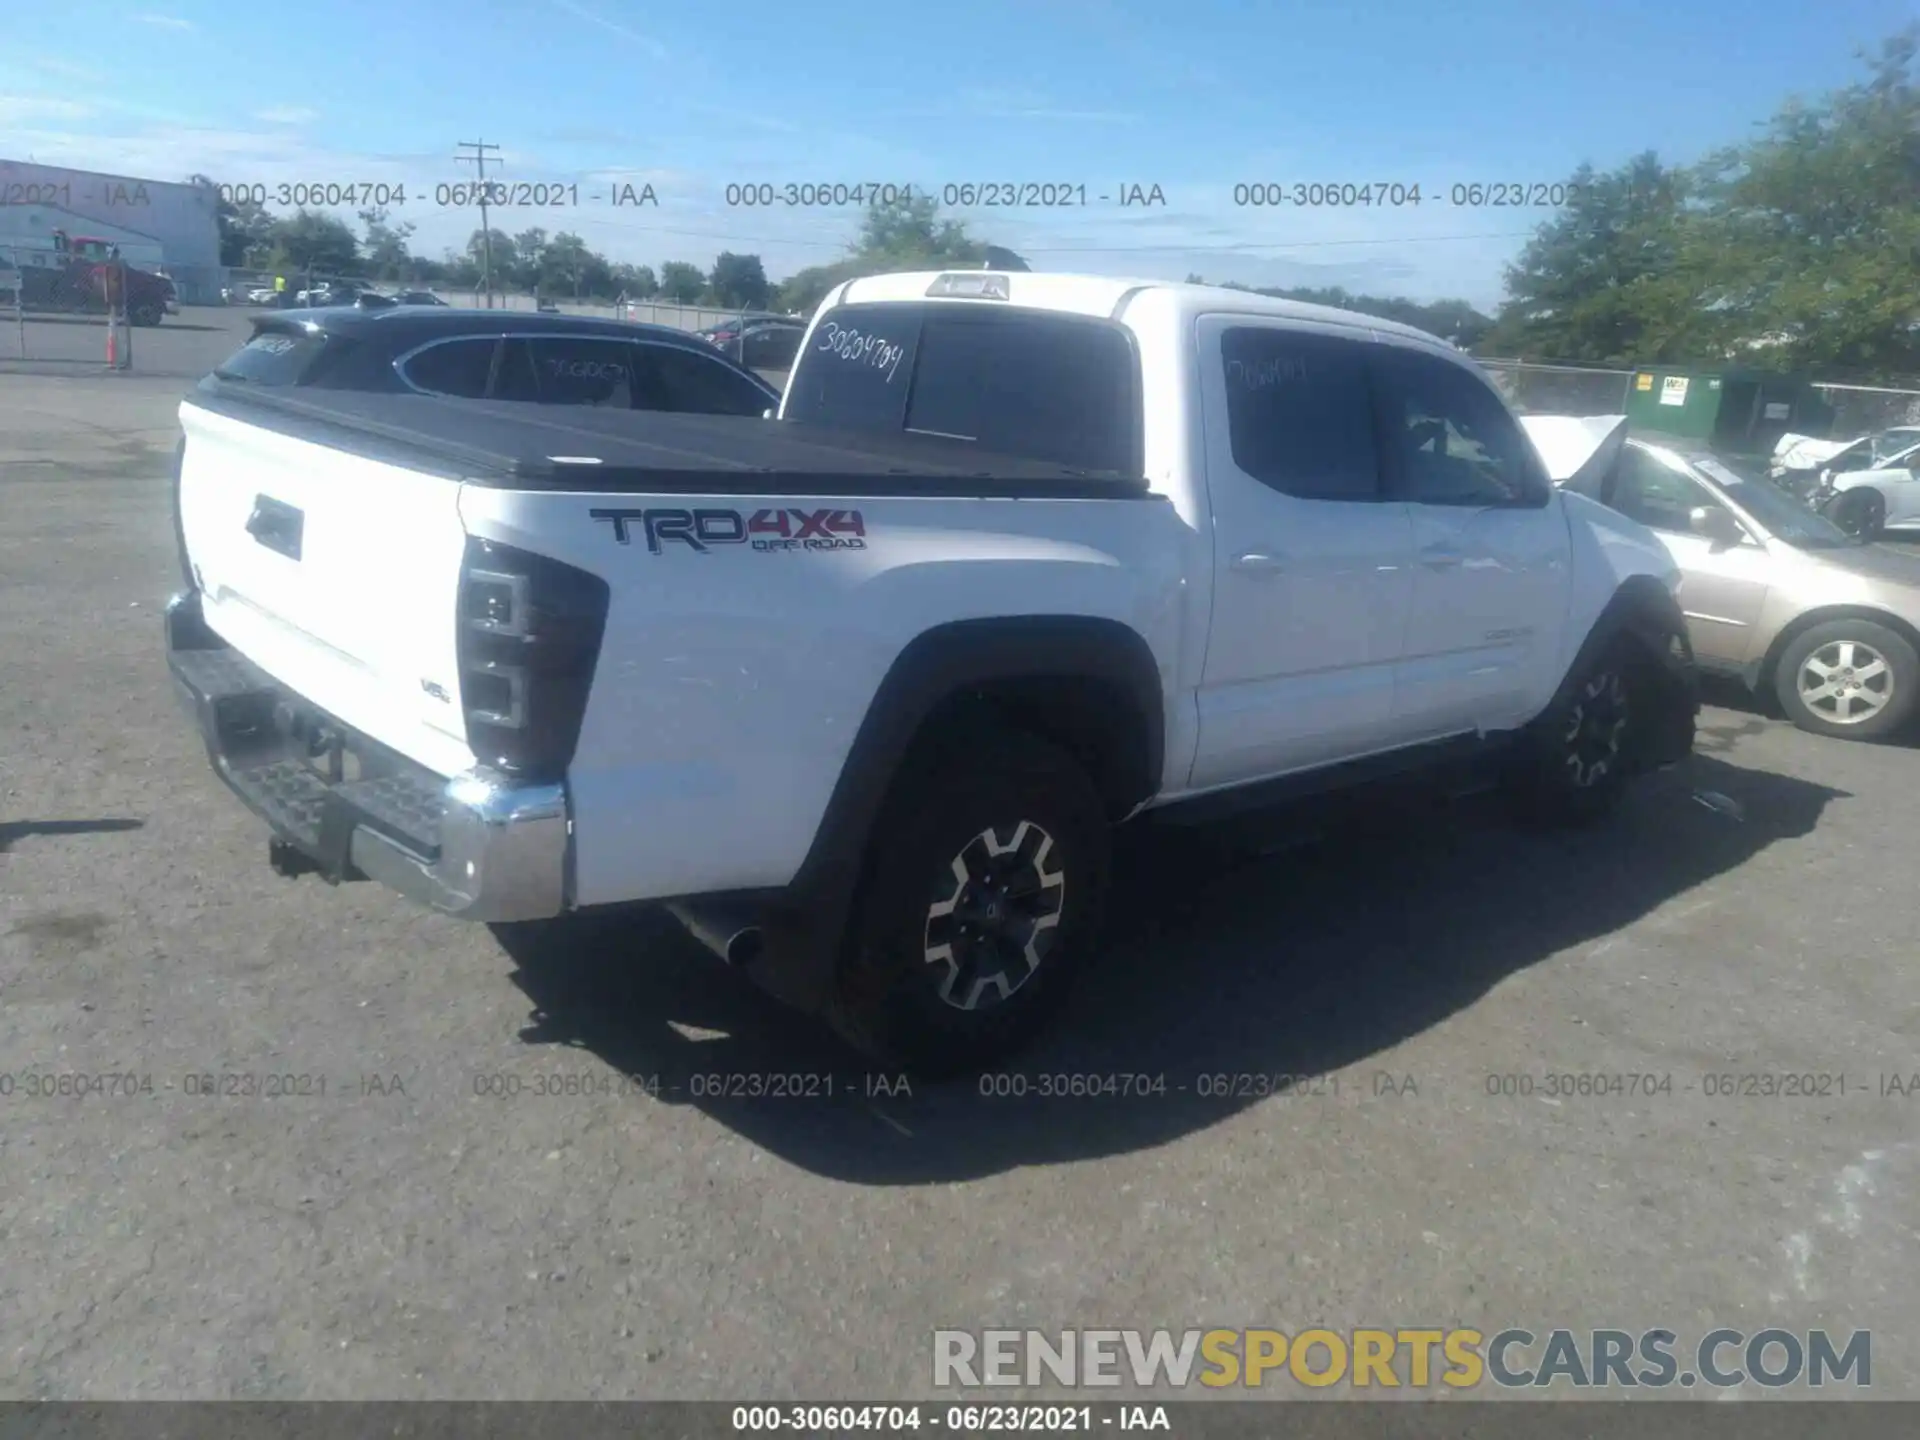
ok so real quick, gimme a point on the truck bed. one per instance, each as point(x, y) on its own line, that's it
point(522, 446)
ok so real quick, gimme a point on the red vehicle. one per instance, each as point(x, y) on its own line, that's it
point(87, 276)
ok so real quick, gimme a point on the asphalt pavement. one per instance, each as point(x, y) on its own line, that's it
point(360, 1150)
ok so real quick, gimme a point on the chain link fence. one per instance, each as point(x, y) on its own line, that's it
point(255, 288)
point(73, 316)
point(1867, 409)
point(1560, 389)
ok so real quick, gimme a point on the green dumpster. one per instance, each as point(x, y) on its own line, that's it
point(1732, 409)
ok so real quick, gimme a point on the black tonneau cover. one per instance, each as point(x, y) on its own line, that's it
point(524, 446)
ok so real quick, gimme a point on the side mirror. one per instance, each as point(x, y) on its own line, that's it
point(1715, 524)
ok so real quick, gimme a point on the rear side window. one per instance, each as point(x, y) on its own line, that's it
point(274, 357)
point(1044, 387)
point(1300, 413)
point(457, 368)
point(691, 383)
point(583, 372)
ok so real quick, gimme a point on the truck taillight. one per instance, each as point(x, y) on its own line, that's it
point(529, 636)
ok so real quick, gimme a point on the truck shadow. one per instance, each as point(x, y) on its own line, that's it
point(1255, 953)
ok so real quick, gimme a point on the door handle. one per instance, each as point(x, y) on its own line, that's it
point(1440, 557)
point(276, 525)
point(1257, 560)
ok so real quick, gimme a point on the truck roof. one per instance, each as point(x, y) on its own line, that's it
point(1102, 295)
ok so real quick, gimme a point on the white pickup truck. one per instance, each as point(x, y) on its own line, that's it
point(858, 691)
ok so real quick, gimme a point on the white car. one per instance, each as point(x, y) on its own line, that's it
point(858, 693)
point(1867, 495)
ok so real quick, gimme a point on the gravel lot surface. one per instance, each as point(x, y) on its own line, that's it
point(431, 1226)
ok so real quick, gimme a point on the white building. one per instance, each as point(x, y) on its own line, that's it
point(157, 224)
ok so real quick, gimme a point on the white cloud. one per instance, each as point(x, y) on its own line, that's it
point(19, 109)
point(287, 115)
point(67, 70)
point(646, 42)
point(1027, 105)
point(165, 22)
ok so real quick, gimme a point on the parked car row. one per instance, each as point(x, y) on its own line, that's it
point(1777, 595)
point(1867, 486)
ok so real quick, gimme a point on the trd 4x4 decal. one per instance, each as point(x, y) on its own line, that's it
point(765, 530)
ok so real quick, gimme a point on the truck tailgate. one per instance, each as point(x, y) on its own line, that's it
point(336, 573)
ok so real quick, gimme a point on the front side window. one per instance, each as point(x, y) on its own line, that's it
point(1658, 496)
point(1299, 413)
point(583, 371)
point(1448, 438)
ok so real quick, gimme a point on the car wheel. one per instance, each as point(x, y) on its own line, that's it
point(1861, 513)
point(1574, 763)
point(146, 313)
point(987, 886)
point(1853, 679)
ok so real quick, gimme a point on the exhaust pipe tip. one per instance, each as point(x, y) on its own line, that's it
point(729, 933)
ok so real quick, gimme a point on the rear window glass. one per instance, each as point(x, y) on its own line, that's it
point(856, 367)
point(1026, 383)
point(1043, 387)
point(274, 357)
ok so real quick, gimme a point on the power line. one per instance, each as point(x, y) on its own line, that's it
point(479, 159)
point(1199, 247)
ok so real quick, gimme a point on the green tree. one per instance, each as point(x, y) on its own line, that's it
point(529, 258)
point(681, 282)
point(309, 240)
point(739, 280)
point(1816, 225)
point(1618, 277)
point(908, 233)
point(386, 245)
point(636, 282)
point(569, 267)
point(247, 230)
point(505, 258)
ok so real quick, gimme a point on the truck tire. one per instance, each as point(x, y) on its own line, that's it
point(1850, 679)
point(987, 886)
point(1574, 762)
point(146, 313)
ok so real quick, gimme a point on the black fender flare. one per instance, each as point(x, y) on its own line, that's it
point(1643, 614)
point(805, 924)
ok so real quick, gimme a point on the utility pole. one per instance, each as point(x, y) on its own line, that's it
point(479, 159)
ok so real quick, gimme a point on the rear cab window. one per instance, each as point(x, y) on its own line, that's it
point(1032, 384)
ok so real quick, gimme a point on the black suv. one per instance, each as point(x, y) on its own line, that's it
point(497, 355)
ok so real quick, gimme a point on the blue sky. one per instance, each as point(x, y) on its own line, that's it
point(1192, 97)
